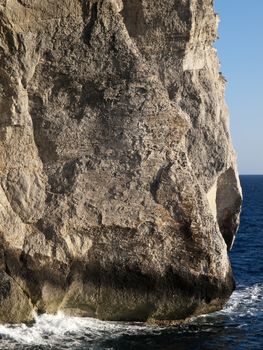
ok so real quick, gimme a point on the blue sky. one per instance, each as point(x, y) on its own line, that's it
point(240, 48)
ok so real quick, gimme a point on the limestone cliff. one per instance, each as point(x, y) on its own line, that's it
point(119, 193)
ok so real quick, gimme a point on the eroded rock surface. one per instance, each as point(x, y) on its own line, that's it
point(119, 191)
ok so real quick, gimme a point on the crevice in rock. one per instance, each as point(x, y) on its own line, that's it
point(228, 203)
point(133, 17)
point(154, 186)
point(24, 3)
point(92, 15)
point(7, 34)
point(46, 147)
point(8, 272)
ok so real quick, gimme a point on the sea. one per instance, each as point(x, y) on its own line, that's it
point(238, 326)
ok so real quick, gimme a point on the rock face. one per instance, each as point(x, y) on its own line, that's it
point(119, 191)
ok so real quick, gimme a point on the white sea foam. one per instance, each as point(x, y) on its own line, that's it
point(245, 301)
point(53, 330)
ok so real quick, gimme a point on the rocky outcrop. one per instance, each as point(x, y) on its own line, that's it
point(119, 191)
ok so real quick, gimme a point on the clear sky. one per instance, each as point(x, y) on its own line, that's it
point(240, 48)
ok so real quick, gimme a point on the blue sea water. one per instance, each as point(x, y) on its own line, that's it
point(238, 326)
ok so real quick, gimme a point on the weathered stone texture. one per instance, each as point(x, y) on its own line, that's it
point(118, 177)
